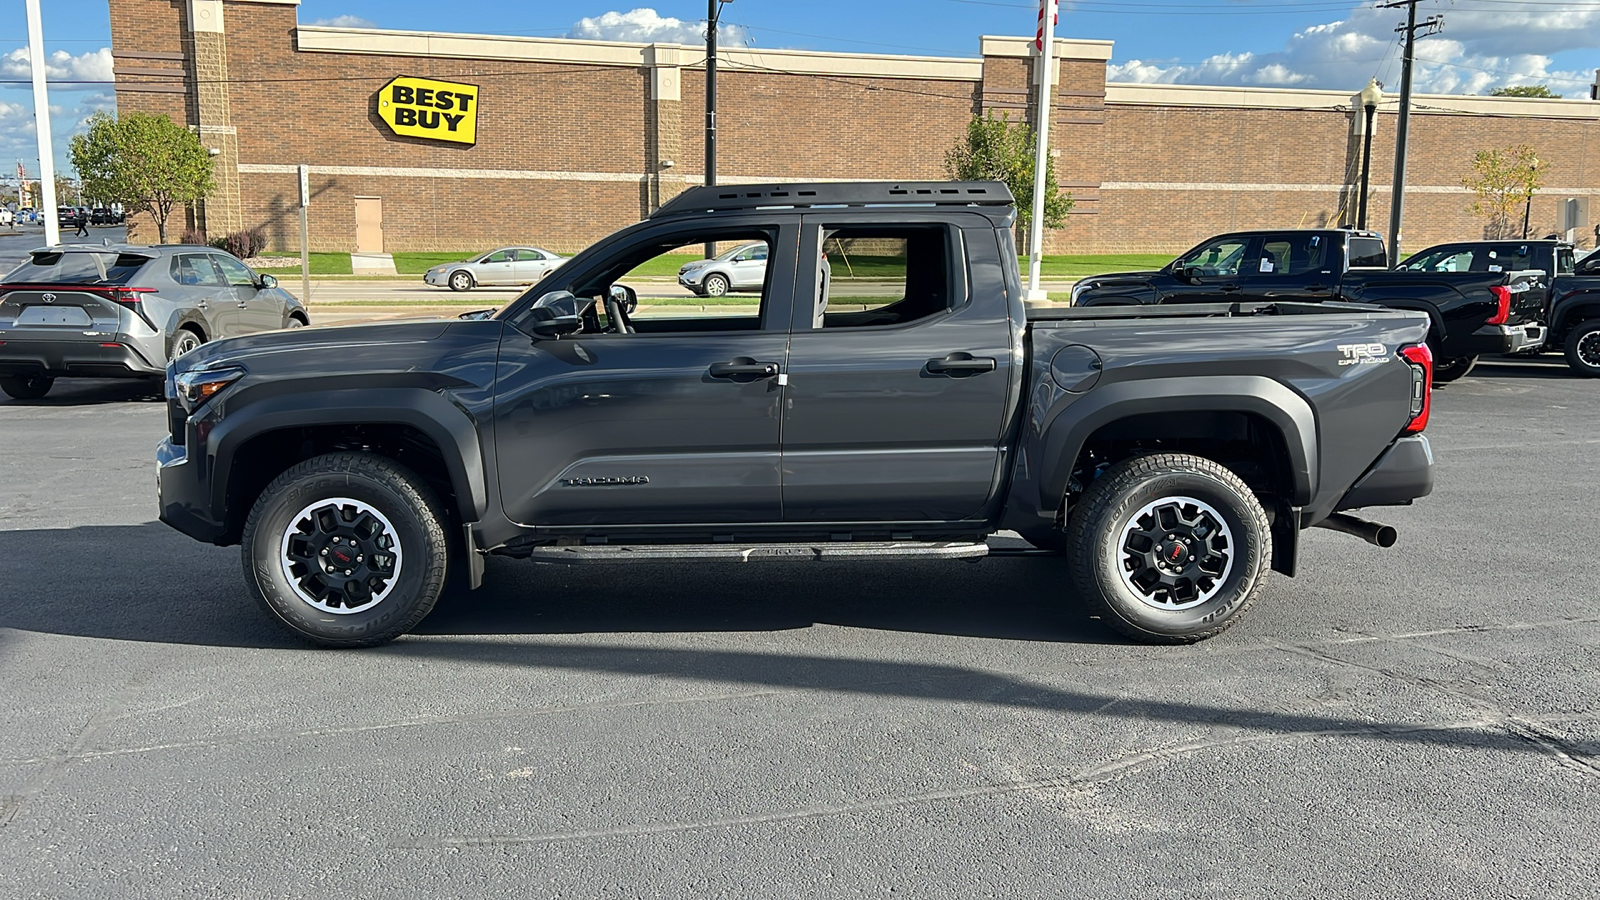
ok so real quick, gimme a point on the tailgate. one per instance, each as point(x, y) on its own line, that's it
point(59, 314)
point(1528, 290)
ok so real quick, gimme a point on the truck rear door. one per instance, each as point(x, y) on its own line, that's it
point(900, 371)
point(1302, 266)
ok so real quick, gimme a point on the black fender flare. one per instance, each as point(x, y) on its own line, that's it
point(428, 411)
point(1573, 310)
point(1284, 409)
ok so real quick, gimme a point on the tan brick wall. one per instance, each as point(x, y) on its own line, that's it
point(318, 108)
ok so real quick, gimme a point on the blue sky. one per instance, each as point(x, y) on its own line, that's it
point(1304, 43)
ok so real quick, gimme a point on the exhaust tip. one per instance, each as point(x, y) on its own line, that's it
point(1386, 536)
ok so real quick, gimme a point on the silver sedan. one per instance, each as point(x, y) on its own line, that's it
point(507, 265)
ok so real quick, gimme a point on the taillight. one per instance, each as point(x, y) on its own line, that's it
point(130, 297)
point(1502, 297)
point(1420, 358)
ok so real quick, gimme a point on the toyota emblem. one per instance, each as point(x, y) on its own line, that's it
point(49, 298)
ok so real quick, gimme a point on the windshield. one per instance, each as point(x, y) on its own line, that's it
point(77, 267)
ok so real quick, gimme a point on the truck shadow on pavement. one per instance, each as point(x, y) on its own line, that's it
point(96, 392)
point(149, 583)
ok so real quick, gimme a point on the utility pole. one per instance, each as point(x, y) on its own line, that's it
point(41, 122)
point(1433, 25)
point(713, 14)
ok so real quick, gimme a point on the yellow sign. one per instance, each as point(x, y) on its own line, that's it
point(435, 110)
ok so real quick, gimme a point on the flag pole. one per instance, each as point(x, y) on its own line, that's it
point(1046, 44)
point(37, 62)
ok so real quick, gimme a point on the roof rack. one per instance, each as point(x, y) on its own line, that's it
point(874, 193)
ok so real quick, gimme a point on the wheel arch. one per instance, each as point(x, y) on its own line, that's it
point(415, 427)
point(1573, 313)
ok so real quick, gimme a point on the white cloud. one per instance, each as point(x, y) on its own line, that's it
point(347, 22)
point(647, 26)
point(62, 66)
point(1477, 52)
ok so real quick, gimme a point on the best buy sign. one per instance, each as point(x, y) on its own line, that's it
point(436, 110)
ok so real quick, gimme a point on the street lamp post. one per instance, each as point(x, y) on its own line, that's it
point(1533, 171)
point(1371, 96)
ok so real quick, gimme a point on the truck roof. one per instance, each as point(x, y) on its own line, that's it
point(724, 197)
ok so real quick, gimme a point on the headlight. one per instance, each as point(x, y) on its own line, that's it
point(195, 387)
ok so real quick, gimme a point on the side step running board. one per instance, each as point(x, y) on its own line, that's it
point(602, 553)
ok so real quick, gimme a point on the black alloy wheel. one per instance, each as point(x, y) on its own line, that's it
point(1170, 548)
point(346, 549)
point(183, 342)
point(1583, 348)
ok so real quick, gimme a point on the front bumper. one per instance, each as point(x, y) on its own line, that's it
point(437, 279)
point(183, 493)
point(86, 358)
point(1509, 338)
point(1403, 473)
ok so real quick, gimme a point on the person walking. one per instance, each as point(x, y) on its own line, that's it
point(83, 224)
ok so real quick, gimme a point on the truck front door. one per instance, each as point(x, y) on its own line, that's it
point(899, 377)
point(1211, 272)
point(667, 417)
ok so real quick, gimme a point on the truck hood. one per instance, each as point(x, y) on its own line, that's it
point(1116, 277)
point(243, 349)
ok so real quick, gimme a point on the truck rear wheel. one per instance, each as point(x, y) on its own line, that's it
point(26, 387)
point(1448, 370)
point(1583, 348)
point(1170, 548)
point(347, 549)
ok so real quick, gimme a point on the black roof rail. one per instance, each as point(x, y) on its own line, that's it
point(873, 193)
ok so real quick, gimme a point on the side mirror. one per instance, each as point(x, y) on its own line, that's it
point(268, 282)
point(1187, 273)
point(555, 314)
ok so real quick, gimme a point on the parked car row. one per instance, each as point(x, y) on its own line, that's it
point(114, 311)
point(1481, 297)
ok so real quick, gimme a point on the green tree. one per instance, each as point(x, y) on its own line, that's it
point(997, 149)
point(1525, 90)
point(1504, 182)
point(147, 163)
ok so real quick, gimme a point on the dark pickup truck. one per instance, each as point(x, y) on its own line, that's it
point(1472, 313)
point(1571, 314)
point(1171, 455)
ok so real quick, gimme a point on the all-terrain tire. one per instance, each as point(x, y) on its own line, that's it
point(300, 534)
point(1583, 348)
point(1189, 502)
point(26, 387)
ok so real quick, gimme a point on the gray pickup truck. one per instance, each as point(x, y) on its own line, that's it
point(1170, 455)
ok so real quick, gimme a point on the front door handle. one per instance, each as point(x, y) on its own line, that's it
point(744, 367)
point(1228, 288)
point(961, 364)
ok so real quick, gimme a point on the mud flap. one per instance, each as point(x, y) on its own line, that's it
point(1286, 539)
point(474, 558)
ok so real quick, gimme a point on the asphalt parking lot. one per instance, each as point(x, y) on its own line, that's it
point(1417, 722)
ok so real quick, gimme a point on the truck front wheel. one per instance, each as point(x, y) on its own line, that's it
point(346, 549)
point(1583, 348)
point(1170, 548)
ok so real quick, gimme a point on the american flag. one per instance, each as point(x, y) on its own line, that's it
point(1055, 18)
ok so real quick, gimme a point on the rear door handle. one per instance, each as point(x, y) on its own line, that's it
point(961, 364)
point(1228, 288)
point(744, 367)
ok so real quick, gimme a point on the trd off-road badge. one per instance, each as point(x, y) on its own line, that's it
point(434, 110)
point(1363, 354)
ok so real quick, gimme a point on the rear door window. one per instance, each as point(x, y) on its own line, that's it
point(1368, 253)
point(195, 269)
point(77, 268)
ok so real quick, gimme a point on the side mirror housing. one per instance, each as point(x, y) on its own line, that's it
point(555, 314)
point(268, 282)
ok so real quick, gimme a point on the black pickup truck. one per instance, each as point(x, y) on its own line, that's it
point(1472, 313)
point(1172, 455)
point(1571, 314)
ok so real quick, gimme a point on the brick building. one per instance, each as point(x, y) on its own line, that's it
point(577, 138)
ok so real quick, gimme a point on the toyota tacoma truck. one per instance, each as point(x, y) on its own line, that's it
point(1170, 456)
point(1470, 313)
